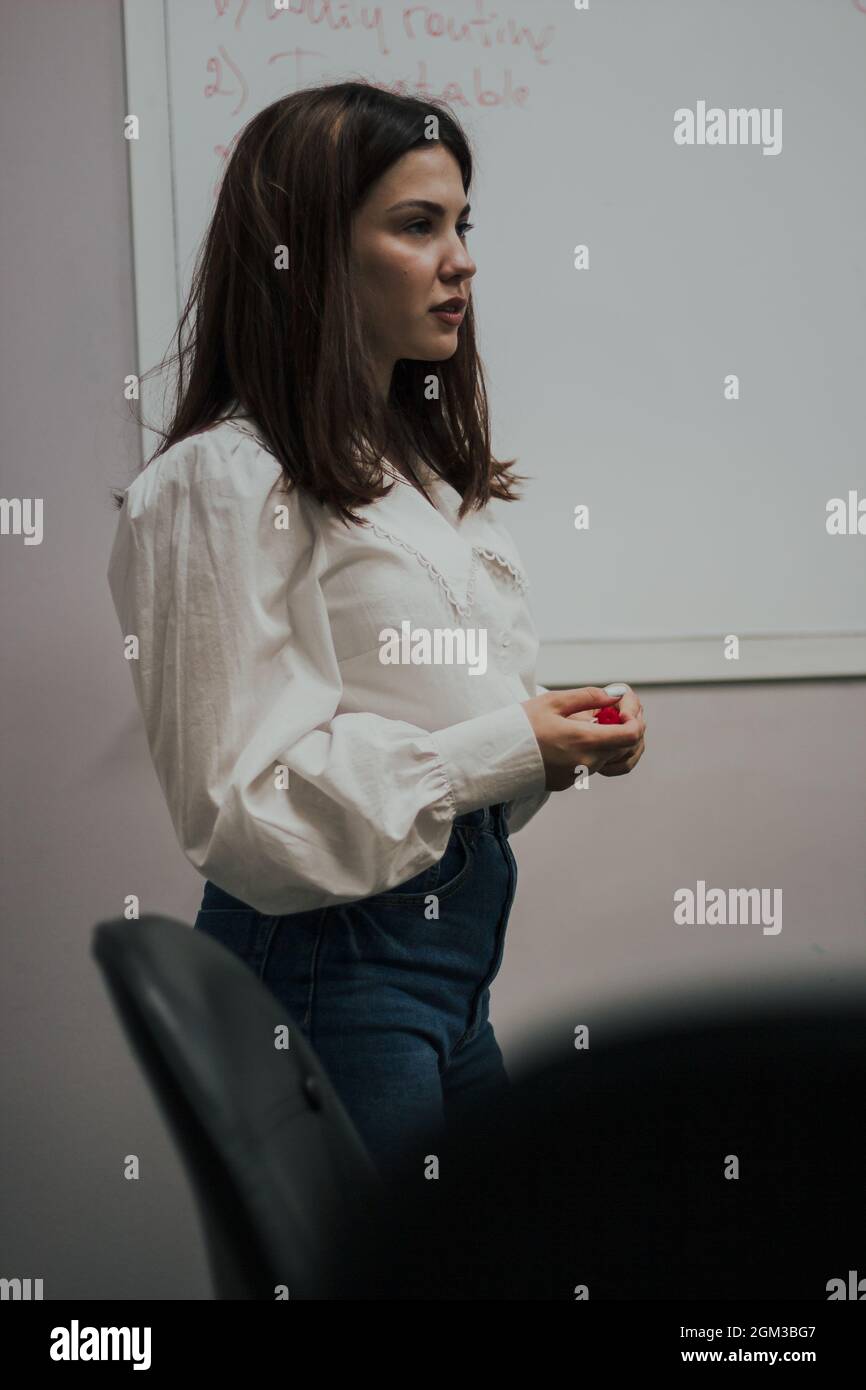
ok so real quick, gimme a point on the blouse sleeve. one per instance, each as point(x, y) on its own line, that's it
point(521, 810)
point(276, 797)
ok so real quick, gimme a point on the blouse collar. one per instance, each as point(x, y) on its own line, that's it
point(449, 548)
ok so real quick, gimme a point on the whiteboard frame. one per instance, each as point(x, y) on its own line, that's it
point(561, 664)
point(151, 187)
point(689, 660)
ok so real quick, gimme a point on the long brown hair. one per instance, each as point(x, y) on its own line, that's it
point(287, 350)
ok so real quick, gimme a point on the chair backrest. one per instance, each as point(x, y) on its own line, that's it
point(276, 1165)
point(704, 1148)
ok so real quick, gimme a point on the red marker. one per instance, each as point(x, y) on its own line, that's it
point(611, 715)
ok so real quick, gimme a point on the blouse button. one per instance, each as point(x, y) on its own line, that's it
point(488, 750)
point(505, 639)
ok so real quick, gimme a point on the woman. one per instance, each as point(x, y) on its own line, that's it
point(323, 483)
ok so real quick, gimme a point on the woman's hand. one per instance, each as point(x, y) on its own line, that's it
point(631, 706)
point(568, 737)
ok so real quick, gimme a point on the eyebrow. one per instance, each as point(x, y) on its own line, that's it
point(424, 203)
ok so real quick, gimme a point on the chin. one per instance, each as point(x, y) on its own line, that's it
point(443, 349)
point(433, 349)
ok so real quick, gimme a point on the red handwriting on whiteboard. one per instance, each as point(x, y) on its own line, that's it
point(423, 22)
point(216, 88)
point(221, 7)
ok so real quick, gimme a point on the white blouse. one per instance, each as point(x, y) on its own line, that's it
point(301, 770)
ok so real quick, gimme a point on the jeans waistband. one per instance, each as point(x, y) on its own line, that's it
point(486, 818)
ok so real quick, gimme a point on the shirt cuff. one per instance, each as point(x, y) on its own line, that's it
point(491, 758)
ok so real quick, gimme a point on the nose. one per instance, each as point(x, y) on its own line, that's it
point(461, 267)
point(457, 255)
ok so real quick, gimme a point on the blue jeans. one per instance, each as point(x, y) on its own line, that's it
point(394, 1002)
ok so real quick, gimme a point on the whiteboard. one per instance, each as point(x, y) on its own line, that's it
point(694, 379)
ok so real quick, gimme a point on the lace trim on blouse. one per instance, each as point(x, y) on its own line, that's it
point(464, 609)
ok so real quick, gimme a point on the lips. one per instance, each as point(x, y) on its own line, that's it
point(451, 306)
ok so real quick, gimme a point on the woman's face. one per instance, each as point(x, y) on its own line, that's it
point(409, 258)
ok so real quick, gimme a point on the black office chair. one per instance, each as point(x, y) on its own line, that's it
point(276, 1165)
point(605, 1168)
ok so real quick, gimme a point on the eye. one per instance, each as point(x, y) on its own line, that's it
point(425, 222)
